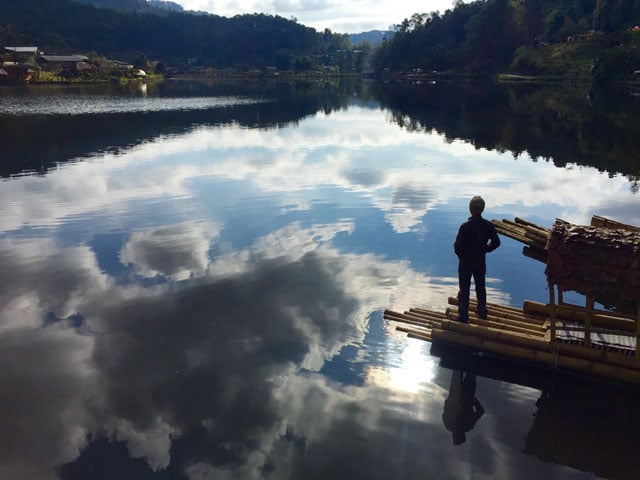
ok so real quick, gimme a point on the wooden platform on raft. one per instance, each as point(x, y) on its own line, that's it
point(595, 342)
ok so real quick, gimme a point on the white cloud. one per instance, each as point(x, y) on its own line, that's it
point(45, 383)
point(176, 251)
point(341, 17)
point(45, 279)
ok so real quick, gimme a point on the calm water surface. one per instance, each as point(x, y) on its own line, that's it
point(194, 278)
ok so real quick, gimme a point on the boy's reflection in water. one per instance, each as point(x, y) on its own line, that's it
point(461, 408)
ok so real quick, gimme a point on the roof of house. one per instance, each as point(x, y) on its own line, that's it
point(595, 261)
point(64, 58)
point(22, 49)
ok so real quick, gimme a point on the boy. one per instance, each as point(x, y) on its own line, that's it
point(476, 237)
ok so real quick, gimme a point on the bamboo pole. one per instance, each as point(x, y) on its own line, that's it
point(431, 315)
point(514, 229)
point(503, 319)
point(515, 338)
point(414, 331)
point(424, 310)
point(515, 232)
point(408, 321)
point(535, 230)
point(405, 314)
point(537, 239)
point(419, 316)
point(603, 222)
point(389, 315)
point(523, 221)
point(473, 301)
point(425, 337)
point(572, 312)
point(516, 235)
point(504, 311)
point(604, 356)
point(577, 314)
point(507, 320)
point(552, 311)
point(507, 326)
point(422, 320)
point(541, 357)
point(500, 325)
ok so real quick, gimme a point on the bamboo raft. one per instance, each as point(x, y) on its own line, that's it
point(600, 343)
point(607, 350)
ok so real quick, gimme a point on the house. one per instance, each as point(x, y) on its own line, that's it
point(16, 72)
point(22, 54)
point(119, 67)
point(68, 66)
point(73, 64)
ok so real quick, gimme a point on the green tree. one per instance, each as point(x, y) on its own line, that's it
point(362, 55)
point(303, 64)
point(141, 61)
point(533, 19)
point(283, 60)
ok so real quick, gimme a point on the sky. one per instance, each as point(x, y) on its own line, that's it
point(340, 16)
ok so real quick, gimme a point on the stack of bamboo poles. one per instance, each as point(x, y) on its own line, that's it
point(422, 323)
point(533, 236)
point(521, 334)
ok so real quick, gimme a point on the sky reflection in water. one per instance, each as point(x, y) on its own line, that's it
point(210, 303)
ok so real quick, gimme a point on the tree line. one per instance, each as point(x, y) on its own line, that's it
point(553, 37)
point(175, 38)
point(577, 125)
point(592, 39)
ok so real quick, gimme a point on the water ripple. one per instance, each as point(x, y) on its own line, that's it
point(92, 104)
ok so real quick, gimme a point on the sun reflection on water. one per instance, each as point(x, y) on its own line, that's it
point(408, 367)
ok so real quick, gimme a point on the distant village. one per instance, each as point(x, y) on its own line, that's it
point(26, 64)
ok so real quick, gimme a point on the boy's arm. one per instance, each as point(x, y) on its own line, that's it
point(494, 239)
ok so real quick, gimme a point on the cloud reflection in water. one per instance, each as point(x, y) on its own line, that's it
point(216, 360)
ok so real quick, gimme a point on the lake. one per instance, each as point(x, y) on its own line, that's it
point(194, 279)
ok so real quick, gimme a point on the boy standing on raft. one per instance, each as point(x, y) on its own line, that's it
point(476, 237)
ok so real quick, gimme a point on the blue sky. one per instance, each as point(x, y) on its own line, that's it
point(342, 17)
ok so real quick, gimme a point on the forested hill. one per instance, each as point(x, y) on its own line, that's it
point(552, 37)
point(126, 5)
point(135, 5)
point(256, 40)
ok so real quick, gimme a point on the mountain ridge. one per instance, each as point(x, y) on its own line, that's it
point(135, 5)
